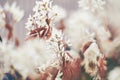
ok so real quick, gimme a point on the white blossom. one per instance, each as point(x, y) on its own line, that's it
point(43, 15)
point(57, 45)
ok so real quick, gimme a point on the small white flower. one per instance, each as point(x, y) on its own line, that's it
point(30, 23)
point(43, 15)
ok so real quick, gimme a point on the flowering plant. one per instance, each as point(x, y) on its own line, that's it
point(59, 47)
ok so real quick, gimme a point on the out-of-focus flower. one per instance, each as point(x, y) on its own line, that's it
point(41, 22)
point(2, 17)
point(6, 47)
point(9, 15)
point(78, 28)
point(113, 18)
point(60, 18)
point(87, 27)
point(92, 5)
point(36, 51)
point(61, 13)
point(90, 62)
point(13, 13)
point(114, 74)
point(93, 60)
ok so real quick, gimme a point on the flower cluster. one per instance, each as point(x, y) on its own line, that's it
point(39, 24)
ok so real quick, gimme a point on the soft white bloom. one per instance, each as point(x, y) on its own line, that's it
point(78, 28)
point(91, 58)
point(92, 5)
point(27, 58)
point(6, 48)
point(114, 74)
point(112, 12)
point(31, 55)
point(83, 26)
point(2, 17)
point(5, 44)
point(13, 12)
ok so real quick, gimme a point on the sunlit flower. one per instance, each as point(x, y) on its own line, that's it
point(39, 24)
